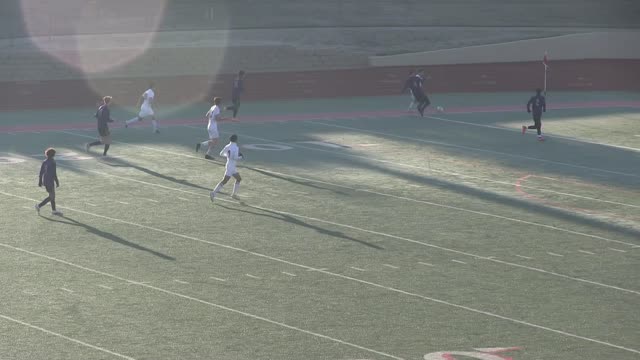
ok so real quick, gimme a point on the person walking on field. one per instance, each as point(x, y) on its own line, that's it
point(537, 104)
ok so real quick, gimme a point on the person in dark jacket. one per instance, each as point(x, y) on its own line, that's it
point(236, 91)
point(48, 177)
point(537, 104)
point(103, 115)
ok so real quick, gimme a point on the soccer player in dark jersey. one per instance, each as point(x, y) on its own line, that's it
point(407, 86)
point(418, 92)
point(238, 89)
point(538, 105)
point(48, 177)
point(104, 118)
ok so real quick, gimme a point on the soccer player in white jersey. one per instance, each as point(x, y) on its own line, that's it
point(145, 102)
point(215, 116)
point(232, 152)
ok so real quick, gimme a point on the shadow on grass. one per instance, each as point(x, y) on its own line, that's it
point(294, 221)
point(108, 236)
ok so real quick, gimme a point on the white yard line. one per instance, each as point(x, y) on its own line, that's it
point(586, 252)
point(357, 268)
point(390, 266)
point(23, 323)
point(618, 250)
point(217, 278)
point(180, 281)
point(67, 290)
point(252, 276)
point(554, 254)
point(459, 262)
point(105, 287)
point(425, 264)
point(289, 274)
point(524, 257)
point(364, 282)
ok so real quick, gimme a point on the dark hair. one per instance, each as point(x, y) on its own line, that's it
point(50, 152)
point(217, 100)
point(233, 138)
point(538, 90)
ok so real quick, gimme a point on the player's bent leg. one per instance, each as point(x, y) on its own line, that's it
point(236, 186)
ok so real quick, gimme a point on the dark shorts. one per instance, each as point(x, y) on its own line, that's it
point(537, 116)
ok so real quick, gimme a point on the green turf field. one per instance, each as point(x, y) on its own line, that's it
point(361, 238)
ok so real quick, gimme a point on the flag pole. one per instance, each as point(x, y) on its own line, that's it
point(544, 62)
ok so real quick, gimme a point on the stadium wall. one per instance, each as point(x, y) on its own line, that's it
point(600, 74)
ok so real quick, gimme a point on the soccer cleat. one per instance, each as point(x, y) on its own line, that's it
point(38, 209)
point(198, 147)
point(235, 197)
point(212, 196)
point(208, 157)
point(540, 138)
point(524, 129)
point(156, 131)
point(57, 213)
point(126, 124)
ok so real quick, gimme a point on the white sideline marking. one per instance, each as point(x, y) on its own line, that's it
point(217, 279)
point(473, 149)
point(319, 269)
point(392, 289)
point(252, 276)
point(390, 266)
point(586, 252)
point(524, 257)
point(356, 268)
point(66, 337)
point(554, 254)
point(288, 273)
point(348, 227)
point(459, 262)
point(105, 287)
point(518, 130)
point(618, 250)
point(180, 281)
point(424, 263)
point(371, 159)
point(67, 290)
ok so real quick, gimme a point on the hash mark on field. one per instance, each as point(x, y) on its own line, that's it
point(90, 204)
point(321, 269)
point(390, 266)
point(458, 261)
point(122, 202)
point(618, 250)
point(152, 200)
point(524, 257)
point(67, 290)
point(425, 264)
point(216, 278)
point(288, 273)
point(252, 276)
point(105, 287)
point(586, 252)
point(355, 268)
point(180, 281)
point(554, 254)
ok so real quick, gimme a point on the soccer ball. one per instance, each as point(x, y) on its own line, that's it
point(439, 108)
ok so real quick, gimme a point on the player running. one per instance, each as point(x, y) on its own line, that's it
point(232, 152)
point(48, 177)
point(145, 102)
point(238, 89)
point(407, 86)
point(103, 115)
point(538, 104)
point(418, 92)
point(215, 116)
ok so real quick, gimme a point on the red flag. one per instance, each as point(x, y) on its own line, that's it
point(544, 60)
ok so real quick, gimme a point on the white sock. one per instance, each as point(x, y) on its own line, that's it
point(411, 106)
point(155, 124)
point(218, 188)
point(131, 121)
point(236, 187)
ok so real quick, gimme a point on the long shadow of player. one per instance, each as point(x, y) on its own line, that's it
point(114, 162)
point(295, 181)
point(293, 220)
point(109, 236)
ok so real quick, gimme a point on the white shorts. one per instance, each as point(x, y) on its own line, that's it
point(213, 132)
point(230, 170)
point(145, 111)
